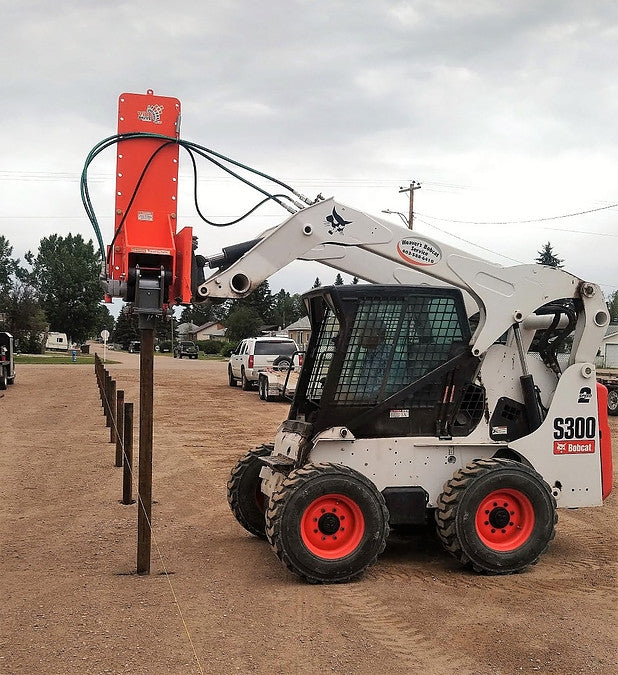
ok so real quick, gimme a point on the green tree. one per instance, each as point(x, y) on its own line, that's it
point(126, 329)
point(197, 314)
point(26, 319)
point(242, 322)
point(317, 283)
point(65, 275)
point(287, 308)
point(548, 257)
point(338, 280)
point(8, 268)
point(612, 305)
point(354, 280)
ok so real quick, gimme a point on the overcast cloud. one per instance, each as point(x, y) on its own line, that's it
point(503, 112)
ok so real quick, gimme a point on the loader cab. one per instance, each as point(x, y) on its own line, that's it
point(389, 361)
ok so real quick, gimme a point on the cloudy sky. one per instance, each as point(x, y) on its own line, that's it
point(503, 111)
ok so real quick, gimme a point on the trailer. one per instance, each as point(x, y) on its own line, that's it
point(278, 383)
point(7, 361)
point(611, 382)
point(57, 342)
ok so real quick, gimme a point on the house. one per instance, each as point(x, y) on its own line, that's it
point(210, 331)
point(608, 351)
point(300, 332)
point(186, 331)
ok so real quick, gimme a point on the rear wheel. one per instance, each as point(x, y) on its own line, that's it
point(496, 515)
point(245, 385)
point(612, 401)
point(327, 523)
point(262, 388)
point(230, 377)
point(4, 380)
point(244, 494)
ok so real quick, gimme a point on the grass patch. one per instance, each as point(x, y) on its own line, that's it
point(56, 359)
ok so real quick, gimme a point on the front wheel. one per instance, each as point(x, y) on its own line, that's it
point(244, 493)
point(245, 385)
point(496, 515)
point(327, 523)
point(612, 402)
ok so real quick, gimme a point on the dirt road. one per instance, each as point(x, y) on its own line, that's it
point(218, 600)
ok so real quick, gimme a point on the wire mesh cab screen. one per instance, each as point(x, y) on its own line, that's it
point(379, 343)
point(393, 343)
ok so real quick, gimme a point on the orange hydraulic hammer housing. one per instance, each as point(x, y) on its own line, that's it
point(149, 263)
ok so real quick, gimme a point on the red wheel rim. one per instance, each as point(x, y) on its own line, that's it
point(332, 526)
point(505, 520)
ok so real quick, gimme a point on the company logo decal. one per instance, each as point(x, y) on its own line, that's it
point(585, 394)
point(574, 435)
point(418, 251)
point(151, 114)
point(335, 222)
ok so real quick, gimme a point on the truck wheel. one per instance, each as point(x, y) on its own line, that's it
point(230, 377)
point(327, 523)
point(4, 381)
point(262, 388)
point(612, 402)
point(244, 495)
point(245, 385)
point(496, 515)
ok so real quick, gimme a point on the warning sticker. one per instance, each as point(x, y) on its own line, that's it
point(573, 447)
point(417, 251)
point(399, 413)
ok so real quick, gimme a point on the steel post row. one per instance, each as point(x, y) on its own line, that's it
point(119, 418)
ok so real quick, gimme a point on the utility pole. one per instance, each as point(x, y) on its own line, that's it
point(414, 185)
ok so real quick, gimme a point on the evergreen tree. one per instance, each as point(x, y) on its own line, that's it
point(354, 280)
point(317, 283)
point(548, 257)
point(612, 305)
point(8, 268)
point(338, 280)
point(65, 274)
point(242, 322)
point(198, 314)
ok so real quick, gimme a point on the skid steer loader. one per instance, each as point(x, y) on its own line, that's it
point(403, 413)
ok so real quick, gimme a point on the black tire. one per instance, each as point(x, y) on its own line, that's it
point(282, 363)
point(262, 389)
point(612, 401)
point(230, 377)
point(4, 381)
point(327, 523)
point(496, 515)
point(245, 385)
point(246, 500)
point(11, 380)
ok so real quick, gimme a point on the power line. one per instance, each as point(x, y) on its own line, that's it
point(522, 222)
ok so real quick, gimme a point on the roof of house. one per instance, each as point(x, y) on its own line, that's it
point(302, 324)
point(204, 326)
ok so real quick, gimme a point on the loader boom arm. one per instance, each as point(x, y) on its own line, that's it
point(505, 295)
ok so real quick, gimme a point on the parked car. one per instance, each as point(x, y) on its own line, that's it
point(135, 347)
point(256, 354)
point(186, 348)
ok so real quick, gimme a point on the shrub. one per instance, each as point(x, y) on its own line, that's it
point(209, 346)
point(227, 348)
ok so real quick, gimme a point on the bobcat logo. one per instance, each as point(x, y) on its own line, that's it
point(151, 114)
point(335, 222)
